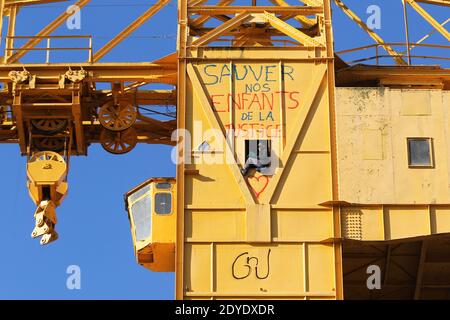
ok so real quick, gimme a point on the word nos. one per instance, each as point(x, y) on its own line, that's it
point(246, 72)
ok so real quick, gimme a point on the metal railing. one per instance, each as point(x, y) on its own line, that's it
point(10, 49)
point(380, 55)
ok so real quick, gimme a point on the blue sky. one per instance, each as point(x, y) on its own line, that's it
point(93, 226)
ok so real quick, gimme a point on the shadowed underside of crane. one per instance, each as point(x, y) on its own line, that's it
point(263, 77)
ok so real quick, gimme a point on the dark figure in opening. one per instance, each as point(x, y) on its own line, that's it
point(258, 156)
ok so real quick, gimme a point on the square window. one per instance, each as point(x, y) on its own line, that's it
point(420, 153)
point(258, 149)
point(163, 203)
point(257, 155)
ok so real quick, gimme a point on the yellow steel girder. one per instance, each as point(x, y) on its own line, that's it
point(202, 19)
point(300, 123)
point(313, 3)
point(429, 19)
point(292, 32)
point(46, 31)
point(214, 122)
point(395, 55)
point(2, 6)
point(275, 22)
point(29, 2)
point(129, 29)
point(217, 10)
point(217, 32)
point(302, 19)
point(436, 2)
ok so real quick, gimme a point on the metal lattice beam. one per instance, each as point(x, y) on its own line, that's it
point(46, 31)
point(395, 55)
point(429, 19)
point(218, 10)
point(129, 29)
point(436, 2)
point(307, 22)
point(292, 32)
point(202, 19)
point(29, 2)
point(217, 32)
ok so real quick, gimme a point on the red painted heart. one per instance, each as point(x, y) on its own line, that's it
point(259, 184)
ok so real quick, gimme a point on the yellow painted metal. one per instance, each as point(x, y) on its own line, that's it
point(2, 7)
point(385, 198)
point(46, 169)
point(394, 222)
point(436, 2)
point(11, 31)
point(215, 33)
point(277, 233)
point(313, 3)
point(202, 19)
point(383, 175)
point(153, 223)
point(47, 30)
point(291, 31)
point(130, 29)
point(265, 234)
point(47, 173)
point(29, 2)
point(395, 55)
point(302, 19)
point(218, 10)
point(429, 19)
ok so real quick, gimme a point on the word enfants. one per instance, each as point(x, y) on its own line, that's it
point(255, 101)
point(260, 88)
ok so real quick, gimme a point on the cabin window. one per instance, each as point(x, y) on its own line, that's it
point(420, 152)
point(163, 203)
point(140, 210)
point(163, 185)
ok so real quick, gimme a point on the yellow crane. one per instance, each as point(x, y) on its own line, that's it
point(284, 151)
